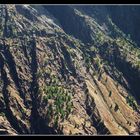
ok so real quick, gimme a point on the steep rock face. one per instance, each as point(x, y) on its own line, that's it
point(129, 18)
point(66, 73)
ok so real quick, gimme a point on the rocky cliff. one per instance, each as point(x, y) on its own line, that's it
point(67, 70)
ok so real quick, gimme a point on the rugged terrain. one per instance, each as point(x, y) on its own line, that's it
point(67, 70)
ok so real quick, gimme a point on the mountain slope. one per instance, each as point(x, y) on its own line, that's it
point(65, 71)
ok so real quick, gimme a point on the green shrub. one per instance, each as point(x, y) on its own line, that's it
point(110, 93)
point(2, 114)
point(131, 102)
point(138, 55)
point(87, 62)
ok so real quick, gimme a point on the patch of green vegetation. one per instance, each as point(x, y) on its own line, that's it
point(100, 37)
point(2, 114)
point(137, 64)
point(54, 79)
point(138, 55)
point(97, 62)
point(110, 93)
point(94, 49)
point(129, 51)
point(131, 102)
point(60, 106)
point(94, 73)
point(46, 62)
point(87, 62)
